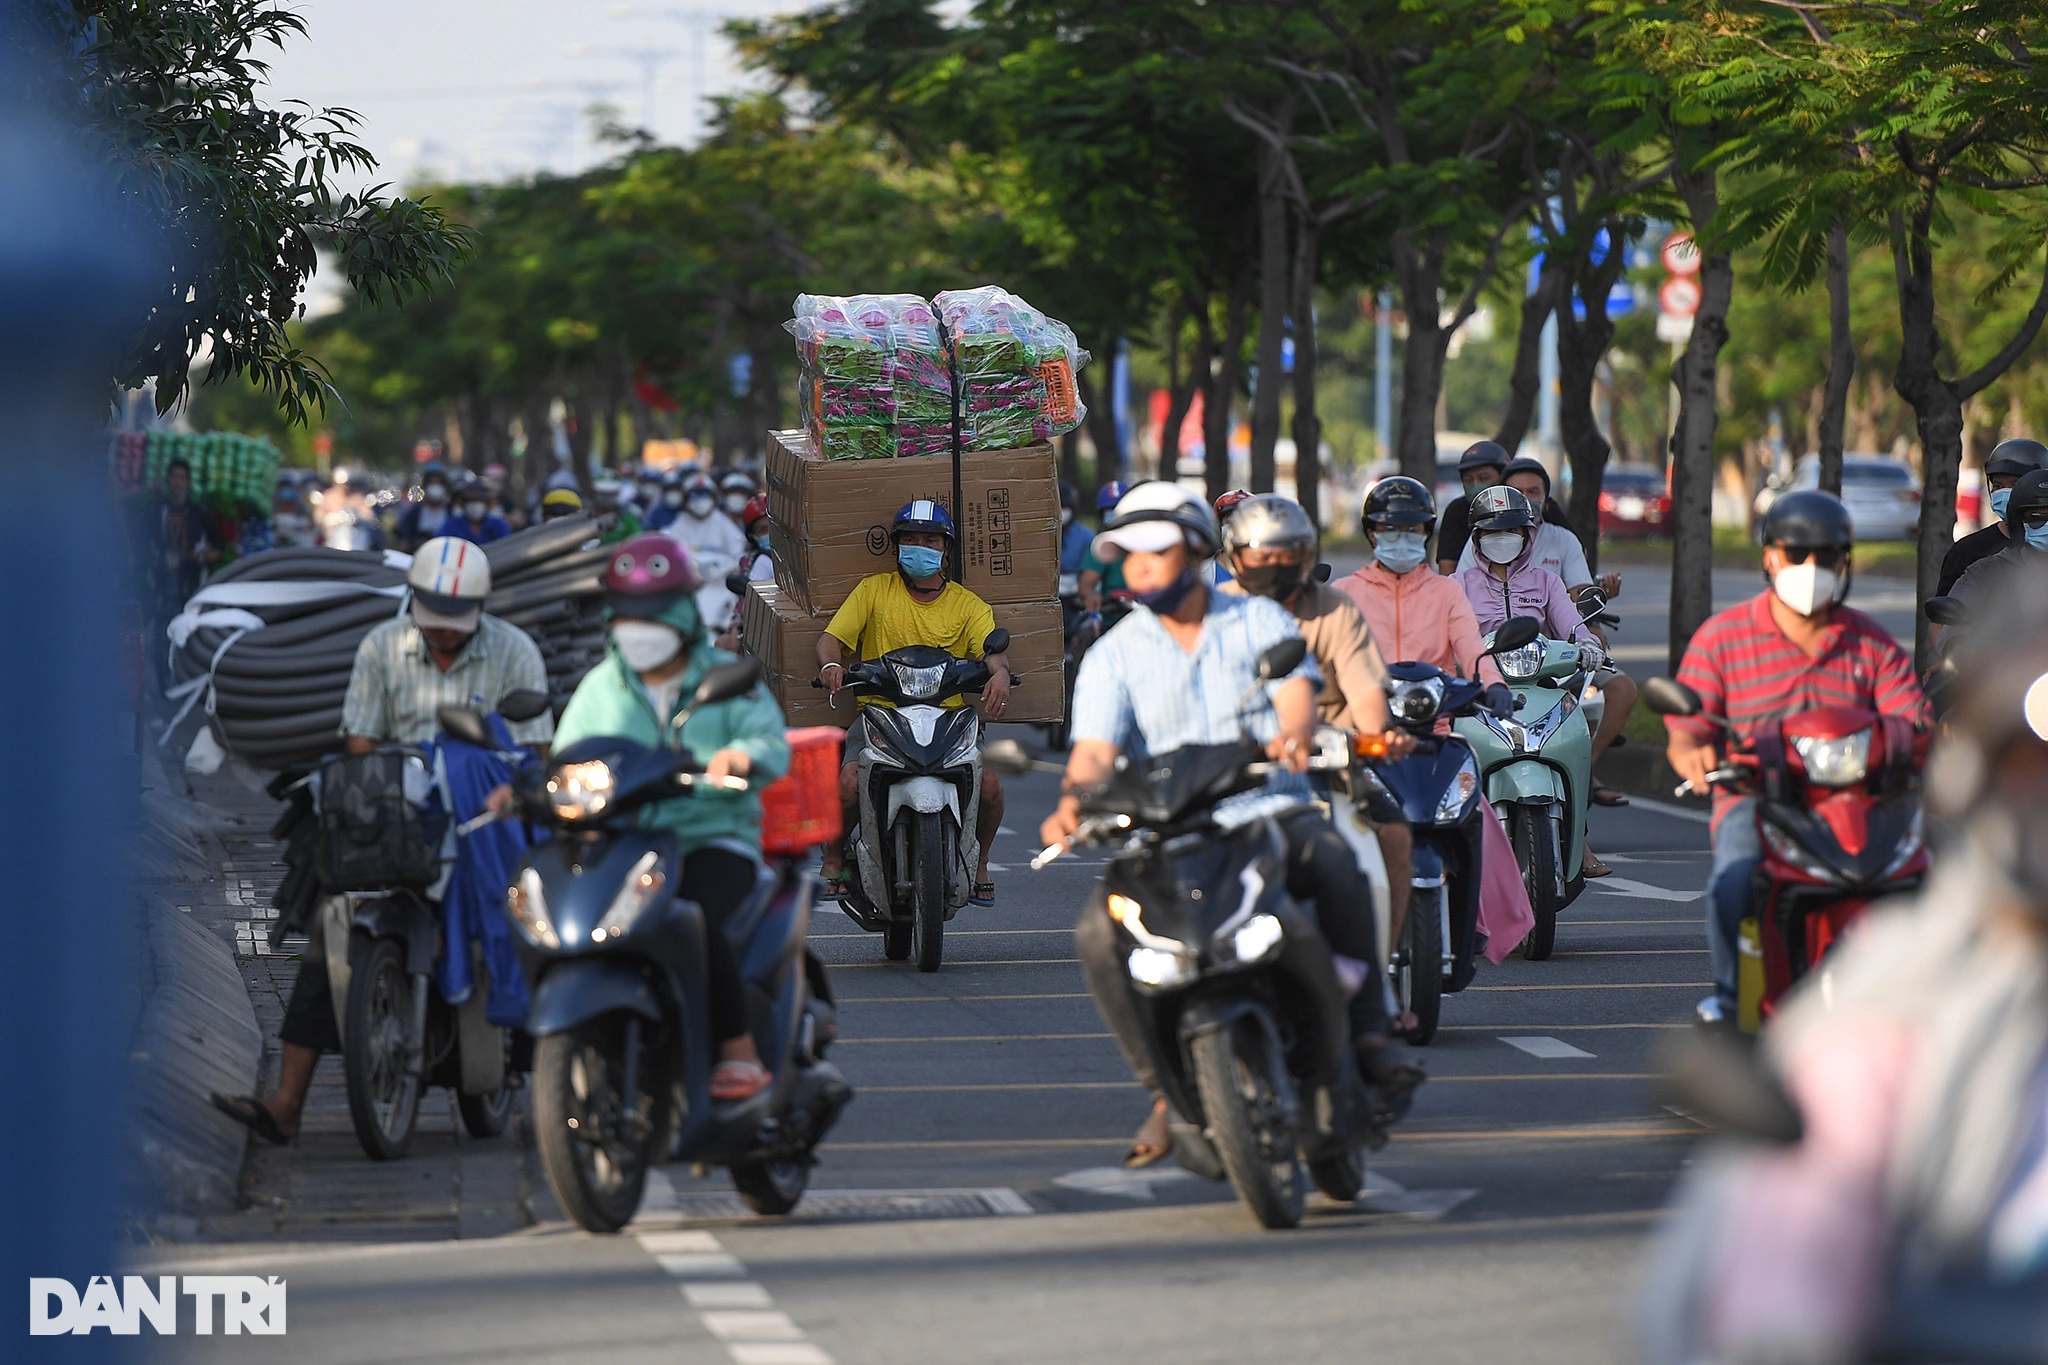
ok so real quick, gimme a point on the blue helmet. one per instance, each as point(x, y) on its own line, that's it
point(1110, 494)
point(923, 515)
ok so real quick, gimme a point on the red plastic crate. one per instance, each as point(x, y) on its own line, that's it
point(800, 810)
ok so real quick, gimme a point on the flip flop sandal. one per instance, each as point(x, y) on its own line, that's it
point(1154, 1142)
point(838, 886)
point(1603, 795)
point(251, 1114)
point(738, 1081)
point(984, 893)
point(1596, 868)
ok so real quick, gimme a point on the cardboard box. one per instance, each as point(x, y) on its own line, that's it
point(785, 638)
point(831, 519)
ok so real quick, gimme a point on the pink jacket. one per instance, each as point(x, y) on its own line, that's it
point(1420, 617)
point(1526, 591)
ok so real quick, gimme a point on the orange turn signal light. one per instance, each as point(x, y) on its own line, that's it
point(1368, 746)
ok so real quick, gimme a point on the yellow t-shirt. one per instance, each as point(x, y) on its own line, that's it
point(881, 615)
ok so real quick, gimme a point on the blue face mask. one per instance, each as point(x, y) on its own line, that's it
point(920, 561)
point(1167, 599)
point(2037, 537)
point(2000, 497)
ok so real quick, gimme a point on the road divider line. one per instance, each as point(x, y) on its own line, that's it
point(952, 999)
point(978, 1038)
point(971, 1088)
point(1605, 986)
point(1698, 817)
point(1625, 886)
point(1543, 1045)
point(952, 933)
point(960, 966)
point(1556, 1028)
point(1636, 952)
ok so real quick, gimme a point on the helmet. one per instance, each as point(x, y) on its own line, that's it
point(1524, 465)
point(1398, 501)
point(698, 483)
point(432, 469)
point(1500, 508)
point(468, 485)
point(1229, 501)
point(671, 477)
point(1110, 494)
point(923, 515)
point(647, 575)
point(1274, 522)
point(450, 579)
point(1810, 519)
point(2030, 494)
point(2015, 457)
point(1154, 502)
point(560, 502)
point(1482, 455)
point(736, 480)
point(757, 508)
point(561, 478)
point(1070, 496)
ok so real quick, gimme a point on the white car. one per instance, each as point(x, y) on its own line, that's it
point(1882, 494)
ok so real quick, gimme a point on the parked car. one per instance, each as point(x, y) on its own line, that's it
point(1882, 494)
point(1634, 501)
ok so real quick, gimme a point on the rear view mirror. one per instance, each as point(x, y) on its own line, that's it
point(1322, 573)
point(736, 583)
point(1006, 756)
point(1515, 633)
point(523, 705)
point(726, 681)
point(1282, 659)
point(998, 640)
point(467, 725)
point(1724, 1082)
point(1945, 611)
point(1669, 697)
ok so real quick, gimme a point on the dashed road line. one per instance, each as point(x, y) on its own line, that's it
point(1541, 1045)
point(733, 1308)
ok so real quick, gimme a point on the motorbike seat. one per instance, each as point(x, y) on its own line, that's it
point(741, 923)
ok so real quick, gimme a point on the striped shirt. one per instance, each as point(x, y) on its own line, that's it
point(1745, 670)
point(1139, 690)
point(395, 687)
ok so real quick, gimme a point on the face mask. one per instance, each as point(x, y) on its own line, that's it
point(2037, 537)
point(646, 644)
point(673, 499)
point(700, 506)
point(1168, 599)
point(1806, 588)
point(736, 503)
point(435, 494)
point(920, 561)
point(1400, 551)
point(1066, 516)
point(1501, 547)
point(761, 542)
point(1277, 581)
point(2000, 497)
point(475, 511)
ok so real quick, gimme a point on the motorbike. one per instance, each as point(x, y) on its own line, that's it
point(1243, 1005)
point(1940, 679)
point(1841, 824)
point(616, 962)
point(1536, 767)
point(914, 851)
point(399, 1033)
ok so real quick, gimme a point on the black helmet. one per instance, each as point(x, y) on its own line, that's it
point(1810, 519)
point(1500, 508)
point(2017, 456)
point(2030, 494)
point(1070, 496)
point(1398, 501)
point(1483, 455)
point(1524, 465)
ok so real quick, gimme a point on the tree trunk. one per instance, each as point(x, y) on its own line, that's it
point(1420, 270)
point(1223, 392)
point(1524, 382)
point(1580, 347)
point(1308, 426)
point(1182, 394)
point(579, 419)
point(1692, 456)
point(1101, 420)
point(1937, 408)
point(1834, 409)
point(1273, 293)
point(1070, 457)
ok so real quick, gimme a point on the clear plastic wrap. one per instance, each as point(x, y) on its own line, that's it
point(873, 375)
point(1015, 368)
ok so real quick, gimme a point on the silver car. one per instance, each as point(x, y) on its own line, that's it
point(1882, 494)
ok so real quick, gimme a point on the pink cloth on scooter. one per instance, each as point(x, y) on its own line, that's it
point(1504, 914)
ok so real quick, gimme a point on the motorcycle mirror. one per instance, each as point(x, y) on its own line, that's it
point(1515, 633)
point(736, 583)
point(1006, 756)
point(998, 640)
point(1669, 697)
point(1722, 1081)
point(1282, 659)
point(1945, 611)
point(1322, 573)
point(466, 724)
point(726, 681)
point(522, 705)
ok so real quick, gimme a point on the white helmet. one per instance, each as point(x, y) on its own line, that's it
point(1154, 516)
point(450, 579)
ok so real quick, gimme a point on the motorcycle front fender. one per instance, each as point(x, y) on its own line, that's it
point(581, 989)
point(1524, 783)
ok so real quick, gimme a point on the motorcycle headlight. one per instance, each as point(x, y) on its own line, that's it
point(1835, 762)
point(1159, 969)
point(919, 684)
point(580, 791)
point(1787, 848)
point(1125, 911)
point(1458, 793)
point(965, 746)
point(643, 883)
point(528, 907)
point(1415, 702)
point(1257, 939)
point(1520, 665)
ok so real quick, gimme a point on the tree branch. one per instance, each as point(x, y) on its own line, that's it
point(1975, 383)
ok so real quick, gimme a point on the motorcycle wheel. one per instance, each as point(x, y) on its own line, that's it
point(486, 1116)
point(1535, 843)
point(597, 1172)
point(771, 1187)
point(928, 891)
point(383, 1098)
point(1242, 1104)
point(1340, 1177)
point(1421, 986)
point(896, 942)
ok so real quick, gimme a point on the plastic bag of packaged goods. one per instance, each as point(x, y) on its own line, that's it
point(1015, 367)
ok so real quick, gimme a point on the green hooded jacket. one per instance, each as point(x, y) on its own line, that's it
point(611, 701)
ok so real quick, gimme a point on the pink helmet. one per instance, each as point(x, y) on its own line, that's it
point(647, 575)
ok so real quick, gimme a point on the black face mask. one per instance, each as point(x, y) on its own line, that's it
point(1277, 581)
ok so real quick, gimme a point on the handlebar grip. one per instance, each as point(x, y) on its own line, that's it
point(1046, 855)
point(728, 784)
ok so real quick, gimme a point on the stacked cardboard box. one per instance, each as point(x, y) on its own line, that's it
point(830, 523)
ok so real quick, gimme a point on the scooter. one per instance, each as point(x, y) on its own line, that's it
point(1244, 1008)
point(914, 851)
point(1841, 821)
point(1536, 766)
point(617, 966)
point(1940, 680)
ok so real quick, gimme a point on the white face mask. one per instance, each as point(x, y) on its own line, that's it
point(1806, 588)
point(700, 505)
point(475, 511)
point(647, 644)
point(1400, 551)
point(434, 493)
point(673, 498)
point(1501, 547)
point(1066, 516)
point(736, 503)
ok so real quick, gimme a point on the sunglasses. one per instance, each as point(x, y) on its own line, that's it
point(1828, 557)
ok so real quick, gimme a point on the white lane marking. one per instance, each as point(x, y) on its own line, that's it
point(725, 1294)
point(1385, 1195)
point(777, 1353)
point(1622, 886)
point(1004, 829)
point(1698, 817)
point(680, 1242)
point(752, 1325)
point(1540, 1046)
point(997, 867)
point(1121, 1181)
point(711, 1266)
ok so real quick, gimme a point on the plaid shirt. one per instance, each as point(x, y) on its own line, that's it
point(1745, 669)
point(395, 686)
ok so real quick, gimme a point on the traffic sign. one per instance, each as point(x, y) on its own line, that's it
point(1680, 294)
point(1679, 255)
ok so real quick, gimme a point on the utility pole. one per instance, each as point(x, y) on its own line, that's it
point(650, 60)
point(699, 22)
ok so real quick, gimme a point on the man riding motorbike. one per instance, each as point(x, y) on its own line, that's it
point(426, 518)
point(1075, 537)
point(445, 651)
point(475, 519)
point(2003, 467)
point(1171, 676)
point(915, 605)
point(2025, 555)
point(1098, 579)
point(1791, 647)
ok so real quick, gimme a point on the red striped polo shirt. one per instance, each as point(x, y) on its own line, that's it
point(1745, 669)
